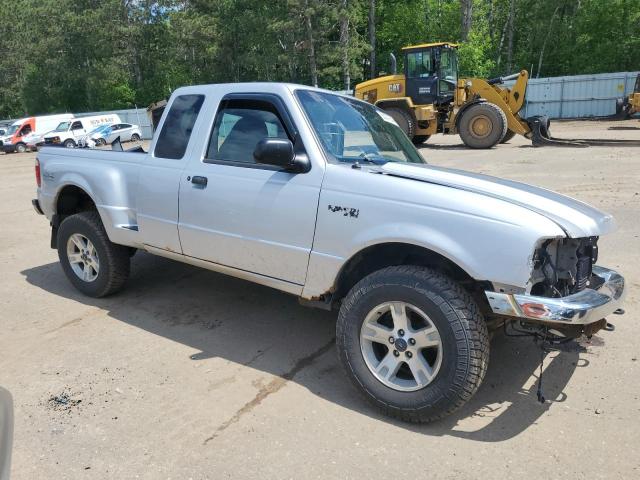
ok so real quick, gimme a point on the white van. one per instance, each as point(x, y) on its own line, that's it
point(68, 133)
point(15, 139)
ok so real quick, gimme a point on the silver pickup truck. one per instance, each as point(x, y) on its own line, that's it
point(322, 196)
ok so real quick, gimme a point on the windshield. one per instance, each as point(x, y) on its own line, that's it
point(354, 131)
point(13, 129)
point(63, 127)
point(448, 70)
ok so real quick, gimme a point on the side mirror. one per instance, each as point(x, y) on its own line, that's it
point(280, 152)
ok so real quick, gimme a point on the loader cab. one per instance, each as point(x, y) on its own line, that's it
point(431, 72)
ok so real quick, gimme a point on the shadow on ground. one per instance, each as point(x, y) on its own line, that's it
point(268, 330)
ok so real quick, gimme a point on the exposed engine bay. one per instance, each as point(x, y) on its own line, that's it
point(564, 266)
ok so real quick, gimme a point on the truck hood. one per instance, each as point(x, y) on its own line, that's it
point(576, 218)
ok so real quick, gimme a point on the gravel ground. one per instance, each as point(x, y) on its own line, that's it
point(190, 374)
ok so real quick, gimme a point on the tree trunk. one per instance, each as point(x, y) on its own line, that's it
point(504, 32)
point(490, 21)
point(544, 44)
point(512, 7)
point(372, 38)
point(344, 43)
point(466, 7)
point(312, 51)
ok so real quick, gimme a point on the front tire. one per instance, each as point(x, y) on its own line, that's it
point(69, 144)
point(419, 365)
point(135, 137)
point(404, 120)
point(21, 148)
point(482, 125)
point(92, 263)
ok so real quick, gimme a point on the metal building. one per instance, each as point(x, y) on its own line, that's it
point(577, 96)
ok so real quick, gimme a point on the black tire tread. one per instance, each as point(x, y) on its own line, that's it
point(508, 136)
point(470, 328)
point(411, 124)
point(117, 256)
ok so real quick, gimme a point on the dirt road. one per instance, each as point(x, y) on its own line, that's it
point(190, 374)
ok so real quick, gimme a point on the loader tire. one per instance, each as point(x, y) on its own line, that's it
point(508, 136)
point(404, 120)
point(482, 125)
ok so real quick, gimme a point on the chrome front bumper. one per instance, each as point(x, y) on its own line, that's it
point(581, 308)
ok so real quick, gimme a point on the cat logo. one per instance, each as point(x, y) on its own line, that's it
point(395, 87)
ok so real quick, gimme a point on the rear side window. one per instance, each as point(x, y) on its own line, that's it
point(178, 125)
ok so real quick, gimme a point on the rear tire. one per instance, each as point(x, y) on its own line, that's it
point(404, 120)
point(482, 125)
point(418, 139)
point(508, 136)
point(92, 263)
point(461, 342)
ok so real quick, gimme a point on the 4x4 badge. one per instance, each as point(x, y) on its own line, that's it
point(346, 211)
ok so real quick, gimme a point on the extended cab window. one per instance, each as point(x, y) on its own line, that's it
point(178, 125)
point(240, 124)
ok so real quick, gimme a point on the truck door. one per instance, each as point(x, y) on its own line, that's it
point(240, 214)
point(159, 182)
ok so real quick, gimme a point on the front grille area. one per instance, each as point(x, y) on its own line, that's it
point(587, 254)
point(563, 266)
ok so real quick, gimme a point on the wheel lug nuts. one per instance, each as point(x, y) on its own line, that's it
point(412, 341)
point(392, 340)
point(409, 354)
point(396, 353)
point(401, 332)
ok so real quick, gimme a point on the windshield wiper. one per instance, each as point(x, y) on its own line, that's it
point(367, 157)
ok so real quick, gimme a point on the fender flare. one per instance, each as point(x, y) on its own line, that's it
point(402, 102)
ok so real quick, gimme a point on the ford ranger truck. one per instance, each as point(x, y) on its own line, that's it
point(323, 196)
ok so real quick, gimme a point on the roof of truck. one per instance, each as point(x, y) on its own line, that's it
point(248, 87)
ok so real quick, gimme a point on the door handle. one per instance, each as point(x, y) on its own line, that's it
point(200, 181)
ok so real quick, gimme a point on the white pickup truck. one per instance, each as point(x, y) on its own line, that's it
point(323, 196)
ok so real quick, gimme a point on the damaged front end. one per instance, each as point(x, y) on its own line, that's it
point(567, 292)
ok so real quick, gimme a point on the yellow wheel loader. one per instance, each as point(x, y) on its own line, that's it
point(429, 98)
point(630, 105)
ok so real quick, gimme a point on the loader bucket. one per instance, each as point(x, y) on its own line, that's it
point(541, 137)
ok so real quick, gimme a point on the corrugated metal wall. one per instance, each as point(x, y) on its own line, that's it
point(578, 96)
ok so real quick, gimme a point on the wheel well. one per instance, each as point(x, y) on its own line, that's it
point(384, 255)
point(72, 200)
